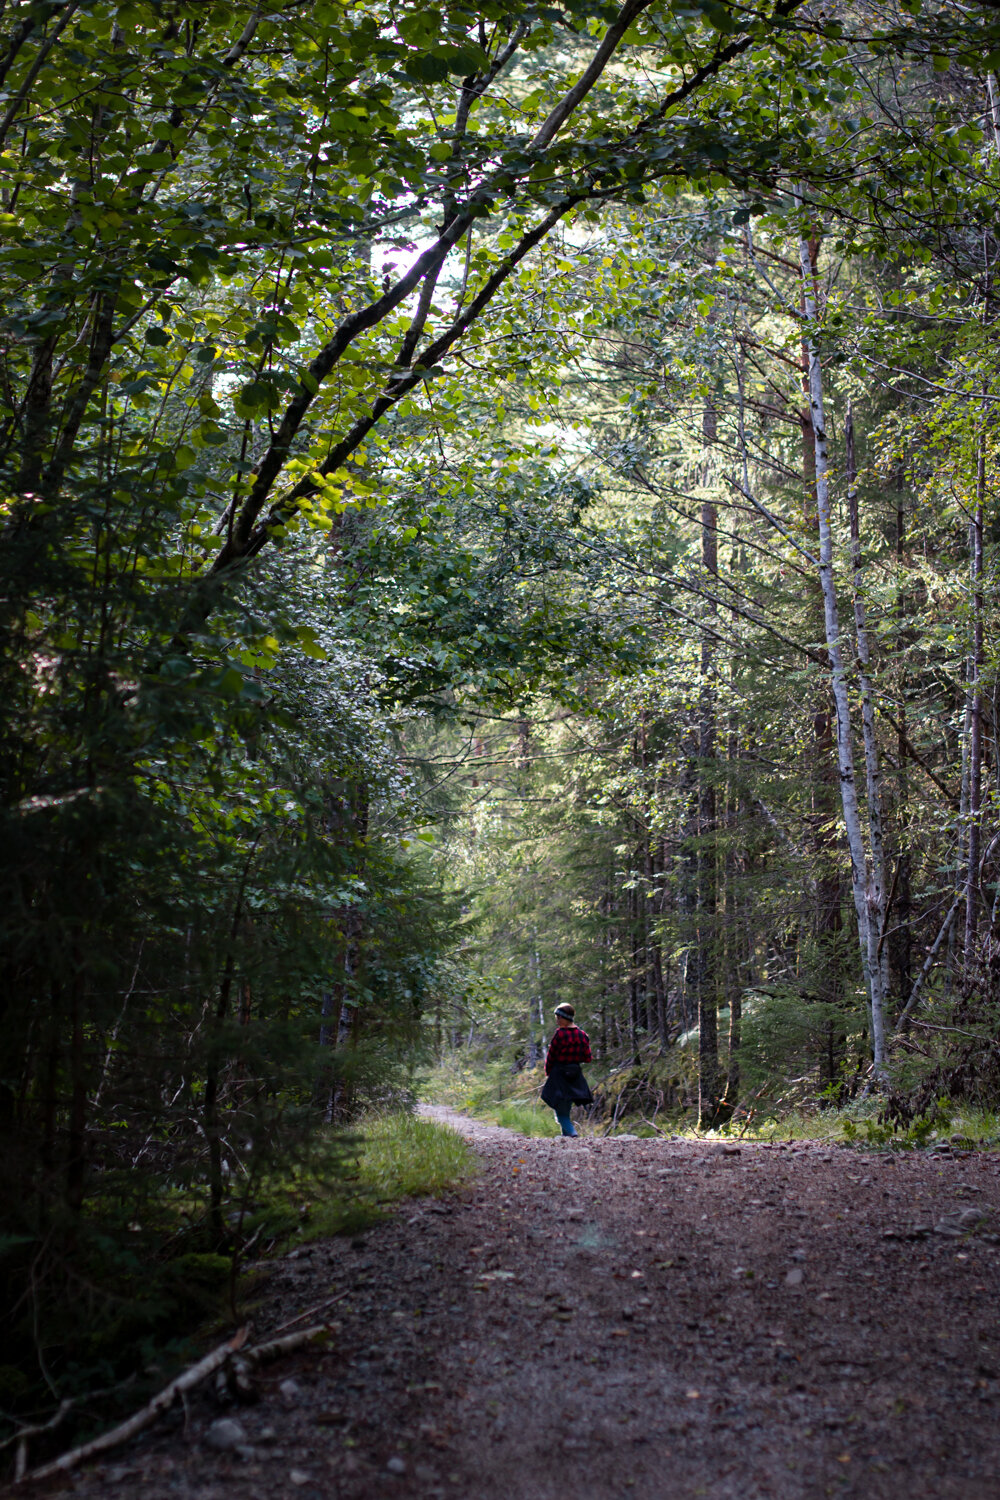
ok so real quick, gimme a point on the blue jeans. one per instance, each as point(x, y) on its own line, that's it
point(565, 1122)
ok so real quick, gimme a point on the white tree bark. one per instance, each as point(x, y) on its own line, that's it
point(993, 93)
point(975, 708)
point(868, 931)
point(877, 890)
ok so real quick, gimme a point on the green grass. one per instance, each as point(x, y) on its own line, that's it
point(349, 1183)
point(405, 1157)
point(395, 1156)
point(527, 1117)
point(858, 1124)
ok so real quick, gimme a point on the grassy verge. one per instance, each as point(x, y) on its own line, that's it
point(403, 1156)
point(349, 1185)
point(528, 1117)
point(858, 1124)
point(494, 1094)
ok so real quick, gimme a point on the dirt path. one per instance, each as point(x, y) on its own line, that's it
point(632, 1318)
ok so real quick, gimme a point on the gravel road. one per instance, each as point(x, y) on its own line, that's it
point(628, 1320)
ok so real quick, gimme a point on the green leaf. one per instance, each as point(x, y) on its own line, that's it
point(308, 644)
point(463, 60)
point(255, 394)
point(717, 15)
point(427, 67)
point(229, 683)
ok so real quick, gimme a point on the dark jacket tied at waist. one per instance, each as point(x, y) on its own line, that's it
point(565, 1084)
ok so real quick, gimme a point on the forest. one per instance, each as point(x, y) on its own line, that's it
point(499, 509)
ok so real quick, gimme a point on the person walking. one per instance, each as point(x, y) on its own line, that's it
point(565, 1084)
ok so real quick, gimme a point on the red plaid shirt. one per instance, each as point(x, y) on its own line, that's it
point(569, 1044)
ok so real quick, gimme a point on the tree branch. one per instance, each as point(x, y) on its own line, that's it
point(590, 75)
point(142, 1419)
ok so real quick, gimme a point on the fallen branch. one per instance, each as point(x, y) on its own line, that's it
point(311, 1312)
point(32, 1430)
point(23, 1434)
point(147, 1416)
point(263, 1353)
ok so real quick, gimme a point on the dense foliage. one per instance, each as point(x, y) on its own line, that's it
point(675, 851)
point(421, 531)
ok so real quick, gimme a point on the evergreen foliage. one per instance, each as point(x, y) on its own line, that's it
point(413, 590)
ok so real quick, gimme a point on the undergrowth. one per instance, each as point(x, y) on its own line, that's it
point(868, 1123)
point(175, 1293)
point(389, 1157)
point(471, 1086)
point(498, 1095)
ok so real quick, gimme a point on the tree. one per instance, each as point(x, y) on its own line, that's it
point(885, 332)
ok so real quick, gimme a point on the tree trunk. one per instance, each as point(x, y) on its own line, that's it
point(900, 941)
point(76, 1164)
point(536, 1020)
point(210, 1110)
point(827, 978)
point(877, 888)
point(709, 1082)
point(975, 709)
point(867, 932)
point(993, 95)
point(735, 863)
point(658, 975)
point(687, 898)
point(733, 930)
point(633, 971)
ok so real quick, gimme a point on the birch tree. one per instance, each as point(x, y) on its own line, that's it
point(867, 897)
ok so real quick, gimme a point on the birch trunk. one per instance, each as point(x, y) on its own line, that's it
point(993, 93)
point(709, 1079)
point(901, 940)
point(867, 932)
point(975, 710)
point(735, 965)
point(877, 888)
point(634, 916)
point(536, 1010)
point(828, 920)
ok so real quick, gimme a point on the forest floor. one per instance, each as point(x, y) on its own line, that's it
point(644, 1319)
